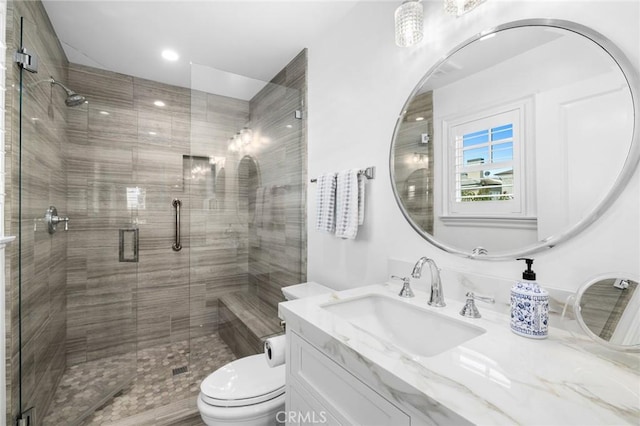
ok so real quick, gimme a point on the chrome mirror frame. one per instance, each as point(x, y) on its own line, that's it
point(627, 171)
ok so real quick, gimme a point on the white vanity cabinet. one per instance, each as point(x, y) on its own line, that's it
point(320, 391)
point(338, 372)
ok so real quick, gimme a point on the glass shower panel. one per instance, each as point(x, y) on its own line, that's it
point(163, 274)
point(77, 316)
point(246, 213)
point(216, 245)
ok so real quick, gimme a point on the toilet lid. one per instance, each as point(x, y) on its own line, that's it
point(245, 381)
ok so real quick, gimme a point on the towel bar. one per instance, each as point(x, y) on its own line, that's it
point(369, 173)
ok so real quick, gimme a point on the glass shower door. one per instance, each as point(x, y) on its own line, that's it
point(77, 279)
point(246, 207)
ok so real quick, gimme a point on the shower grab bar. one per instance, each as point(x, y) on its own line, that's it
point(176, 245)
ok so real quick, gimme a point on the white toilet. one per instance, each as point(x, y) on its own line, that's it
point(247, 392)
point(244, 392)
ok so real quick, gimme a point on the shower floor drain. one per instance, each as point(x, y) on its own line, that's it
point(180, 370)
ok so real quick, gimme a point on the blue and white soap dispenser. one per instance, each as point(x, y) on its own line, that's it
point(529, 306)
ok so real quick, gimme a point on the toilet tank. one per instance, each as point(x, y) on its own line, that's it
point(303, 290)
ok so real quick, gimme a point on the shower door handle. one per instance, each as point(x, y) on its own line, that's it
point(176, 245)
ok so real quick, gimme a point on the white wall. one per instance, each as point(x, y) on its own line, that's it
point(358, 83)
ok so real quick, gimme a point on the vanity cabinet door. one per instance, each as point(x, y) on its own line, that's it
point(346, 399)
point(303, 409)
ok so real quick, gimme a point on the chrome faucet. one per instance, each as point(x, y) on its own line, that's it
point(406, 287)
point(436, 297)
point(469, 309)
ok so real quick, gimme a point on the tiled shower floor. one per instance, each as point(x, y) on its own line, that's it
point(154, 385)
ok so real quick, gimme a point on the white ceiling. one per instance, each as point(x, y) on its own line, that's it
point(489, 51)
point(252, 39)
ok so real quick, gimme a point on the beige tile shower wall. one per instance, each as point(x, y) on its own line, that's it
point(3, 63)
point(44, 184)
point(101, 295)
point(277, 244)
point(120, 144)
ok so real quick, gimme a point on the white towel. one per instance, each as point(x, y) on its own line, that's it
point(326, 203)
point(361, 181)
point(347, 204)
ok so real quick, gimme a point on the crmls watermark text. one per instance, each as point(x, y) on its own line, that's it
point(297, 417)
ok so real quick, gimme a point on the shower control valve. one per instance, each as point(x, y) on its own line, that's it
point(52, 220)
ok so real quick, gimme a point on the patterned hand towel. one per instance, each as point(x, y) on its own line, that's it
point(326, 203)
point(361, 181)
point(347, 204)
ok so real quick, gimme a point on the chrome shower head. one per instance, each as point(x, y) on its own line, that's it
point(73, 99)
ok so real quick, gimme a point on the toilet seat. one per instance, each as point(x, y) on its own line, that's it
point(243, 382)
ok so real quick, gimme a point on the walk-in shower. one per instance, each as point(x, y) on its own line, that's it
point(107, 320)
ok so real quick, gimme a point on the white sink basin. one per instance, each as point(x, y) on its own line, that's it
point(410, 328)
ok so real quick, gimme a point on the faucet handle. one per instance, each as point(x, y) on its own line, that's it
point(469, 309)
point(406, 286)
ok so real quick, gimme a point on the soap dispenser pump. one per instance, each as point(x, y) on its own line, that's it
point(529, 305)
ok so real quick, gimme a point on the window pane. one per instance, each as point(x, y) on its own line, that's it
point(502, 132)
point(502, 152)
point(475, 138)
point(476, 156)
point(486, 185)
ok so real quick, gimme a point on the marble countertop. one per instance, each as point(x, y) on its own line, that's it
point(495, 378)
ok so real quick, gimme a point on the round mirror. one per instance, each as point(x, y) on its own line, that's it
point(608, 310)
point(517, 140)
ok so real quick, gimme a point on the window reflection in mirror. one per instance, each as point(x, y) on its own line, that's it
point(515, 140)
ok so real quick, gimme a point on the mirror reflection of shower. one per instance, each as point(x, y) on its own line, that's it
point(248, 184)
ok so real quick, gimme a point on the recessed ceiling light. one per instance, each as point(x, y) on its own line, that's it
point(419, 118)
point(170, 55)
point(159, 103)
point(289, 126)
point(152, 133)
point(104, 112)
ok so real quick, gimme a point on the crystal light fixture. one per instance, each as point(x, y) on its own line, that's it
point(246, 135)
point(460, 7)
point(409, 18)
